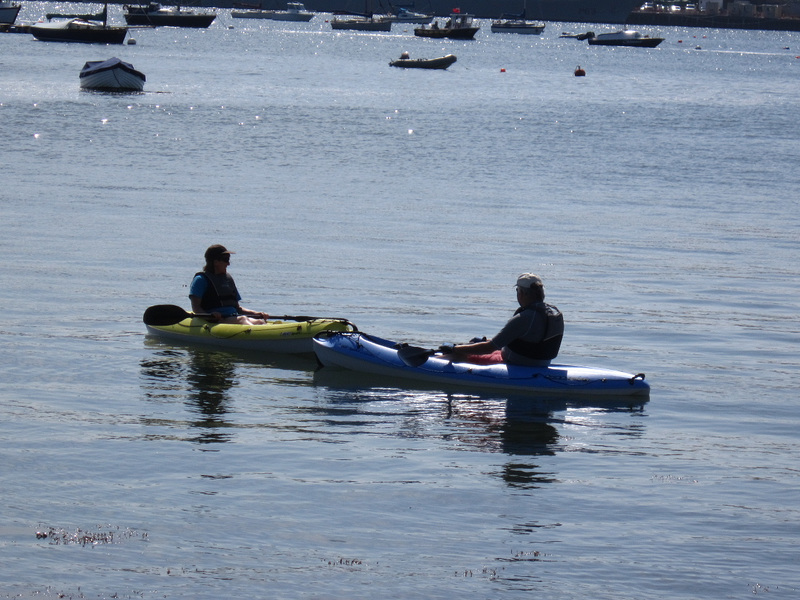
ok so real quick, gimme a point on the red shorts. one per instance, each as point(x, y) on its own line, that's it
point(494, 358)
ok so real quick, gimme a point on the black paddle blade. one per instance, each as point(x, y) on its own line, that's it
point(414, 356)
point(162, 315)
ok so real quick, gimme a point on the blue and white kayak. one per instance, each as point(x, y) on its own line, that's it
point(369, 354)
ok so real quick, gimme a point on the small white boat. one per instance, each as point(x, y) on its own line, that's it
point(112, 75)
point(629, 38)
point(404, 15)
point(441, 62)
point(518, 26)
point(295, 11)
point(8, 12)
point(357, 23)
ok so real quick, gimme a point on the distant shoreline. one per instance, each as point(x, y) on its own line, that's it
point(682, 19)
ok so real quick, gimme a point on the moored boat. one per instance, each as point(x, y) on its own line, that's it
point(87, 30)
point(403, 15)
point(8, 12)
point(361, 23)
point(460, 26)
point(518, 24)
point(112, 75)
point(280, 334)
point(365, 21)
point(155, 15)
point(441, 62)
point(295, 11)
point(368, 354)
point(629, 38)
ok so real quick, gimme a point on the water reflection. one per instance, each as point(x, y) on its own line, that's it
point(525, 428)
point(200, 379)
point(210, 376)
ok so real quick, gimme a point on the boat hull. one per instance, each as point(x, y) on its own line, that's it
point(272, 15)
point(462, 33)
point(640, 43)
point(424, 63)
point(284, 337)
point(424, 20)
point(78, 32)
point(368, 354)
point(143, 16)
point(112, 75)
point(361, 24)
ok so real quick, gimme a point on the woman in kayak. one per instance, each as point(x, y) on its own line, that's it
point(214, 291)
point(531, 337)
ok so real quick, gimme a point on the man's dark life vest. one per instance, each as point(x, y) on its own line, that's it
point(547, 348)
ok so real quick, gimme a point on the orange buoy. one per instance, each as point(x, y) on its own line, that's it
point(579, 72)
point(502, 70)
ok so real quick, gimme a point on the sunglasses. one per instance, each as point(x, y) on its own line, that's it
point(226, 258)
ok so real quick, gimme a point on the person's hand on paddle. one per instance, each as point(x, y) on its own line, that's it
point(256, 314)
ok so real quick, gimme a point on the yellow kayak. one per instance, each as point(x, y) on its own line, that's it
point(284, 334)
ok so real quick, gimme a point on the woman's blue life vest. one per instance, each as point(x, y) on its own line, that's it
point(219, 292)
point(547, 348)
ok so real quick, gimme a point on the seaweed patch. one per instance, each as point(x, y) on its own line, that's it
point(103, 535)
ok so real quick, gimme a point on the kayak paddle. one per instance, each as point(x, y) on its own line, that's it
point(162, 315)
point(414, 356)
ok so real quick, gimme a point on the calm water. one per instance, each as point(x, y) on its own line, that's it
point(656, 197)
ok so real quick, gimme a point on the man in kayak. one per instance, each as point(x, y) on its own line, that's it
point(531, 337)
point(214, 291)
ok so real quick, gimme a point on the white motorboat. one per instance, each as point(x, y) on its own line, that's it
point(112, 75)
point(362, 23)
point(518, 26)
point(403, 15)
point(627, 37)
point(295, 11)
